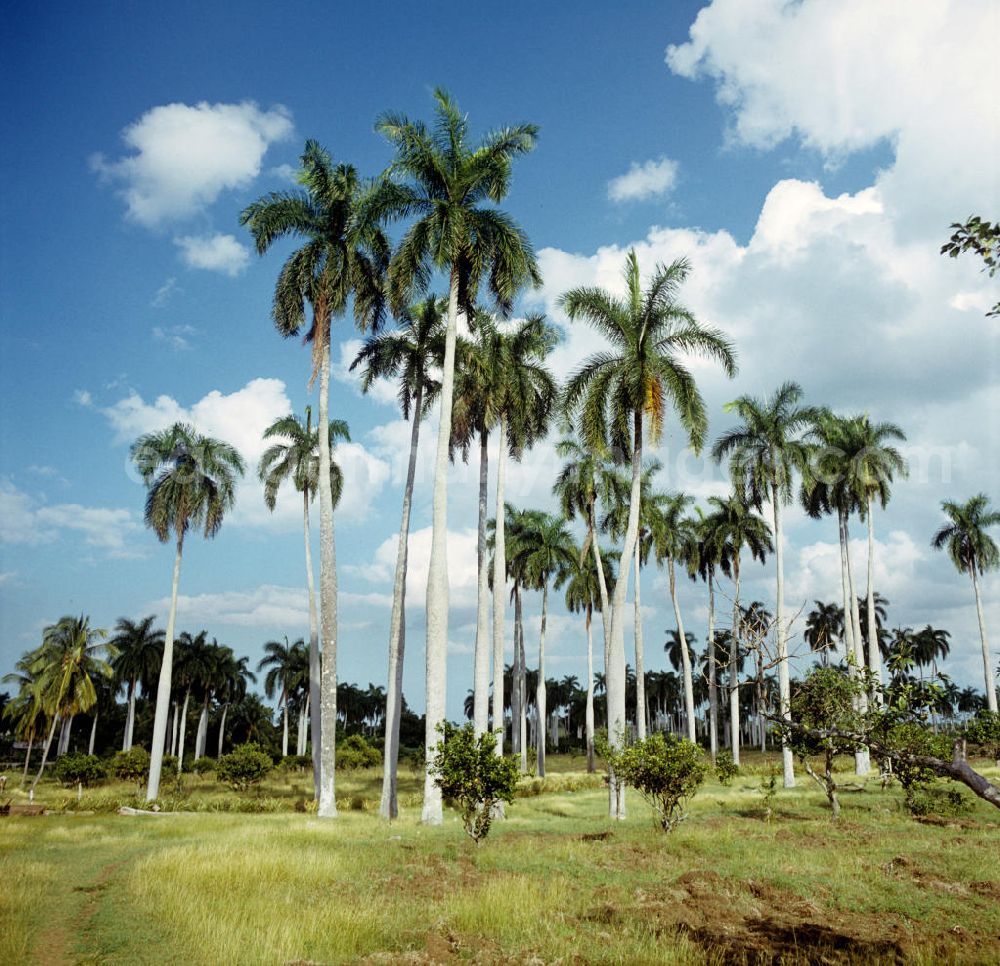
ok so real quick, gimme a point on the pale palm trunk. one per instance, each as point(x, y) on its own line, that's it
point(389, 806)
point(685, 655)
point(163, 685)
point(874, 655)
point(864, 758)
point(499, 589)
point(315, 666)
point(602, 586)
point(713, 697)
point(640, 669)
point(483, 657)
point(45, 751)
point(222, 728)
point(522, 681)
point(437, 572)
point(852, 645)
point(129, 717)
point(734, 663)
point(589, 712)
point(63, 736)
point(784, 685)
point(201, 739)
point(540, 695)
point(93, 734)
point(174, 723)
point(327, 591)
point(27, 758)
point(991, 689)
point(284, 724)
point(183, 729)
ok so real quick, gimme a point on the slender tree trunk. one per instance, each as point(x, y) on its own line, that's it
point(713, 695)
point(93, 734)
point(685, 656)
point(27, 758)
point(437, 572)
point(174, 727)
point(45, 751)
point(500, 589)
point(163, 685)
point(389, 806)
point(183, 729)
point(734, 665)
point(540, 687)
point(284, 724)
point(589, 713)
point(327, 585)
point(201, 740)
point(874, 654)
point(862, 759)
point(602, 586)
point(63, 732)
point(129, 717)
point(522, 680)
point(483, 656)
point(222, 728)
point(640, 670)
point(784, 685)
point(315, 664)
point(991, 688)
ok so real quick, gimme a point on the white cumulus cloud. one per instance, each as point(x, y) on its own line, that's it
point(214, 253)
point(650, 179)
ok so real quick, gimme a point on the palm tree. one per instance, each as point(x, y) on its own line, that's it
point(298, 460)
point(411, 355)
point(191, 481)
point(545, 547)
point(65, 668)
point(614, 392)
point(193, 667)
point(25, 709)
point(140, 654)
point(443, 181)
point(737, 527)
point(824, 627)
point(235, 674)
point(283, 663)
point(973, 551)
point(345, 256)
point(764, 453)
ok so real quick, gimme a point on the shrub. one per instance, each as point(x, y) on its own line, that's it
point(131, 766)
point(666, 771)
point(169, 766)
point(355, 752)
point(469, 772)
point(297, 762)
point(923, 800)
point(725, 768)
point(203, 765)
point(983, 732)
point(77, 768)
point(245, 765)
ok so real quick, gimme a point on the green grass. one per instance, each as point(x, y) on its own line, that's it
point(555, 881)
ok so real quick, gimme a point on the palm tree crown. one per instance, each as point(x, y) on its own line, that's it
point(965, 536)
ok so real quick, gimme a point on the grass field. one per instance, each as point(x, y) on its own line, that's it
point(555, 882)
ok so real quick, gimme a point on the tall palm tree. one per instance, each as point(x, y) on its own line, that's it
point(24, 710)
point(973, 551)
point(194, 666)
point(412, 355)
point(140, 654)
point(212, 680)
point(297, 459)
point(737, 528)
point(235, 675)
point(615, 392)
point(283, 664)
point(764, 454)
point(824, 627)
point(65, 668)
point(191, 481)
point(450, 187)
point(545, 547)
point(344, 256)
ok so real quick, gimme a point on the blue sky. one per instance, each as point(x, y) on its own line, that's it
point(802, 155)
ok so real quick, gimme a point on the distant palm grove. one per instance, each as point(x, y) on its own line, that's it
point(459, 352)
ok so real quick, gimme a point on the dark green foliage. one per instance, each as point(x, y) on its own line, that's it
point(131, 766)
point(170, 764)
point(77, 768)
point(983, 732)
point(980, 237)
point(725, 768)
point(203, 765)
point(666, 771)
point(923, 800)
point(354, 752)
point(469, 773)
point(297, 762)
point(245, 765)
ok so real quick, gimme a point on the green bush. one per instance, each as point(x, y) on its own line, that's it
point(169, 766)
point(297, 762)
point(203, 765)
point(725, 768)
point(666, 771)
point(78, 768)
point(354, 752)
point(923, 800)
point(245, 765)
point(469, 772)
point(983, 733)
point(131, 766)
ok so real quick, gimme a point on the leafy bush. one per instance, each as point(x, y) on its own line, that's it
point(297, 762)
point(666, 771)
point(169, 766)
point(469, 772)
point(983, 732)
point(245, 765)
point(203, 765)
point(923, 800)
point(131, 766)
point(355, 752)
point(77, 768)
point(725, 768)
